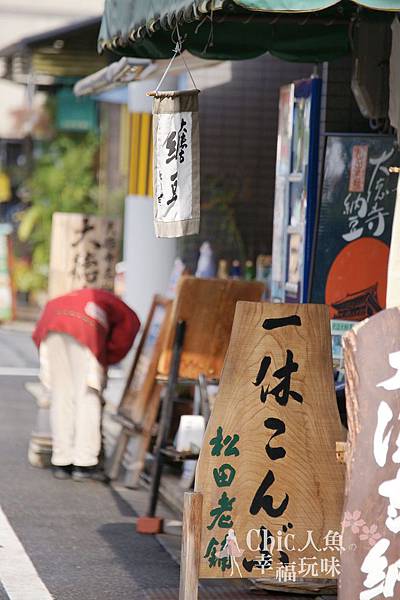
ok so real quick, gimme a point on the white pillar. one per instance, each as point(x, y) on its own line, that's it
point(148, 260)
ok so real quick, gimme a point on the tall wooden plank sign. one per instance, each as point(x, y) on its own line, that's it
point(271, 488)
point(84, 251)
point(371, 524)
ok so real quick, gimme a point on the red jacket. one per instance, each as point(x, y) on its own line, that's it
point(96, 318)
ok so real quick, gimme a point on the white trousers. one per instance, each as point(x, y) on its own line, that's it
point(75, 411)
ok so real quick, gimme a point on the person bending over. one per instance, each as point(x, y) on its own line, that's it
point(79, 335)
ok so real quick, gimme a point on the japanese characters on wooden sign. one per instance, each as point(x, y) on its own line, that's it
point(272, 490)
point(176, 163)
point(84, 251)
point(371, 522)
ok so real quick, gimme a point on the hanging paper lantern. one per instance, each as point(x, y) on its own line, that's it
point(176, 163)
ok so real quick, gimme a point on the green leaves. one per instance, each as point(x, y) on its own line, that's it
point(63, 179)
point(29, 219)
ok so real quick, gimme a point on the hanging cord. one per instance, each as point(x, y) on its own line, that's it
point(177, 51)
point(210, 40)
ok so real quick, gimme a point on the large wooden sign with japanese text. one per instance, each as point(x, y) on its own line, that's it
point(371, 523)
point(84, 251)
point(272, 490)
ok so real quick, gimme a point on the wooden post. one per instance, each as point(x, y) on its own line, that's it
point(191, 540)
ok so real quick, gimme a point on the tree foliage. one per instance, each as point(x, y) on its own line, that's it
point(63, 180)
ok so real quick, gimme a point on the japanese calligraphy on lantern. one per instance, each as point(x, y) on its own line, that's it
point(371, 522)
point(174, 175)
point(176, 163)
point(84, 251)
point(272, 490)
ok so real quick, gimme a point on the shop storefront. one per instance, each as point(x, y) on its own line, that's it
point(334, 203)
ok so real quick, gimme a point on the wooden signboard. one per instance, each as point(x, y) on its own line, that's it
point(84, 251)
point(207, 306)
point(371, 522)
point(270, 485)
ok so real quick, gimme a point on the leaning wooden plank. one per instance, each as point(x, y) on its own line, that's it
point(142, 376)
point(371, 523)
point(272, 488)
point(207, 306)
point(136, 459)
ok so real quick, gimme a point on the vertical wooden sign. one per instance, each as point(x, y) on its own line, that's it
point(371, 523)
point(271, 489)
point(84, 251)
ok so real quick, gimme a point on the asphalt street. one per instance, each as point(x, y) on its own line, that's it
point(62, 540)
point(80, 537)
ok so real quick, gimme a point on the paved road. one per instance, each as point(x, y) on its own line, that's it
point(79, 537)
point(61, 540)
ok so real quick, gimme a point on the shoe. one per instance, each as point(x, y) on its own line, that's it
point(62, 472)
point(89, 474)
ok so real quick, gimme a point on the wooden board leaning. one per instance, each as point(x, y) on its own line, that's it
point(137, 412)
point(141, 379)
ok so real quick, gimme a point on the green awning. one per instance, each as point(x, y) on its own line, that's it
point(296, 30)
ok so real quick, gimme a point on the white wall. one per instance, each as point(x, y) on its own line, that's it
point(148, 260)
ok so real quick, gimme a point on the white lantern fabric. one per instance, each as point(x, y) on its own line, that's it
point(176, 163)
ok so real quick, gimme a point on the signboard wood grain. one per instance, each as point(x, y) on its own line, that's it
point(371, 523)
point(84, 251)
point(272, 489)
point(207, 306)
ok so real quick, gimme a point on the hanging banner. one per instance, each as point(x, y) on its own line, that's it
point(176, 163)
